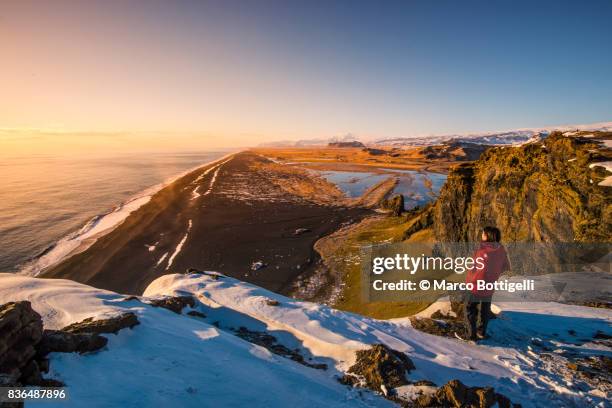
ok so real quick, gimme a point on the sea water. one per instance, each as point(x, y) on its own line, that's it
point(46, 198)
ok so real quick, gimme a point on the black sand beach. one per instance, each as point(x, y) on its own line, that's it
point(221, 217)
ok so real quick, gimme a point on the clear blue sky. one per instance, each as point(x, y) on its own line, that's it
point(280, 69)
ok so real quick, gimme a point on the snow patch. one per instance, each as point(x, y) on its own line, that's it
point(216, 168)
point(195, 194)
point(607, 182)
point(178, 248)
point(164, 256)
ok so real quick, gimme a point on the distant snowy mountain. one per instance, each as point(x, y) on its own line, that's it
point(311, 142)
point(209, 356)
point(510, 137)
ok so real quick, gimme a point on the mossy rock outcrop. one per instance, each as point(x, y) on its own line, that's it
point(539, 192)
point(379, 368)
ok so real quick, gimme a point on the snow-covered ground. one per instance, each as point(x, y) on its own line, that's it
point(181, 360)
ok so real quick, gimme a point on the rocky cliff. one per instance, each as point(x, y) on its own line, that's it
point(539, 192)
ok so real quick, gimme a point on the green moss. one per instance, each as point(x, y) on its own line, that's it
point(337, 249)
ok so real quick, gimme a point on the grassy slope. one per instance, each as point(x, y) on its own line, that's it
point(341, 252)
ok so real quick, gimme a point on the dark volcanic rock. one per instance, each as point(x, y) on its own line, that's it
point(457, 303)
point(22, 360)
point(269, 342)
point(601, 335)
point(378, 366)
point(595, 370)
point(592, 303)
point(375, 152)
point(272, 302)
point(66, 342)
point(174, 303)
point(457, 395)
point(446, 325)
point(20, 332)
point(438, 327)
point(300, 231)
point(196, 313)
point(24, 344)
point(395, 204)
point(110, 325)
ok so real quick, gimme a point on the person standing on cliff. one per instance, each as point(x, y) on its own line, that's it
point(478, 302)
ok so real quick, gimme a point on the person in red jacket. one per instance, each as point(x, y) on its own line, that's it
point(478, 302)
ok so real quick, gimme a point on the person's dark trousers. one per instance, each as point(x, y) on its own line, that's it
point(477, 314)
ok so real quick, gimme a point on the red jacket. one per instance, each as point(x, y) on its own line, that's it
point(495, 262)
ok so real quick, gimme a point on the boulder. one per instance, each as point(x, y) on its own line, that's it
point(379, 367)
point(20, 332)
point(272, 302)
point(66, 342)
point(195, 313)
point(270, 342)
point(394, 204)
point(457, 303)
point(110, 325)
point(438, 327)
point(174, 303)
point(24, 344)
point(455, 394)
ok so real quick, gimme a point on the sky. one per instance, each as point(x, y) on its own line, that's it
point(237, 73)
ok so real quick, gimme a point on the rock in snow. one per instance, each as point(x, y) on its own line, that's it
point(257, 265)
point(66, 342)
point(20, 332)
point(379, 367)
point(108, 325)
point(173, 303)
point(25, 345)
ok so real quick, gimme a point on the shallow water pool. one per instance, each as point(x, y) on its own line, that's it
point(417, 187)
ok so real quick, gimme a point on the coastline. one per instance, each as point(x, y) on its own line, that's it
point(99, 226)
point(227, 216)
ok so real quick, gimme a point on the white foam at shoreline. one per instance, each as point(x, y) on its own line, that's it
point(99, 226)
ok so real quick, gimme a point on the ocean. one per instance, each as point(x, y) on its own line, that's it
point(51, 199)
